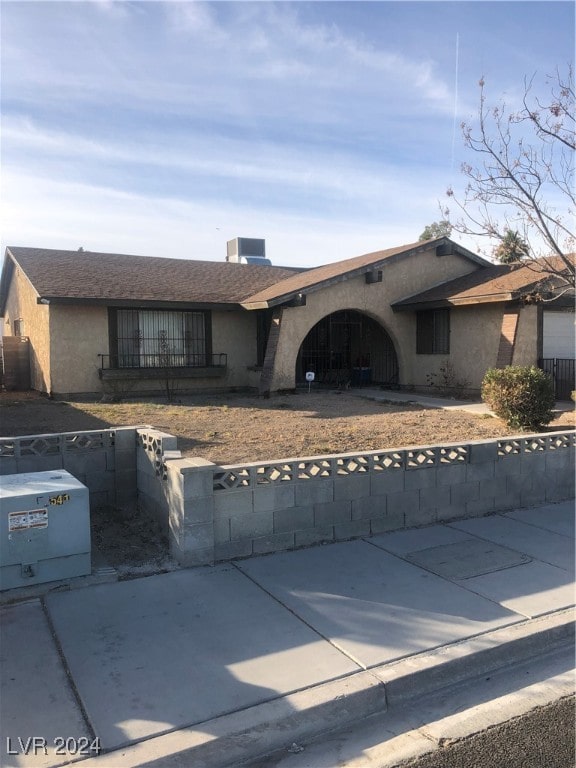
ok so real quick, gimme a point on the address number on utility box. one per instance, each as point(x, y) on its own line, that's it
point(57, 501)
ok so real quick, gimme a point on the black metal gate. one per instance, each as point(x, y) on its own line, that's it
point(348, 348)
point(562, 372)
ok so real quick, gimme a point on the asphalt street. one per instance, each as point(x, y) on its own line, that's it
point(544, 738)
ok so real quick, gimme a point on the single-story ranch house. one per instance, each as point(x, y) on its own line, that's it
point(101, 322)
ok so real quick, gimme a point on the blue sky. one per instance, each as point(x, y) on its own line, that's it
point(330, 129)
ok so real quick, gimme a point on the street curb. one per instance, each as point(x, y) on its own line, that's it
point(247, 734)
point(455, 663)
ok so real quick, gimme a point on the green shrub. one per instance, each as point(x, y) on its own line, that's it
point(521, 395)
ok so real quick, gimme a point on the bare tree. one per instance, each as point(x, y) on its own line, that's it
point(524, 178)
point(166, 364)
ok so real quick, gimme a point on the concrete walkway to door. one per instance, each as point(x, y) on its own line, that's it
point(446, 403)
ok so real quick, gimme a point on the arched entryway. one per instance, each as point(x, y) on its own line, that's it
point(348, 348)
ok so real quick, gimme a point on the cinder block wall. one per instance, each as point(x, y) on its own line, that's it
point(104, 460)
point(219, 513)
point(214, 513)
point(152, 494)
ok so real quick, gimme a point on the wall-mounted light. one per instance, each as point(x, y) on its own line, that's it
point(299, 300)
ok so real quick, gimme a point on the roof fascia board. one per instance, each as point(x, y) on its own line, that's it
point(459, 250)
point(135, 303)
point(5, 280)
point(494, 298)
point(326, 283)
point(514, 297)
point(431, 288)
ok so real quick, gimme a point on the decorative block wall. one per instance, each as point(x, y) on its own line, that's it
point(214, 513)
point(104, 460)
point(219, 513)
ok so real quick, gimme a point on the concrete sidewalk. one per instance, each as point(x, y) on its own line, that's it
point(215, 665)
point(445, 403)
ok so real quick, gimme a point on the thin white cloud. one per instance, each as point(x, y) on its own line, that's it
point(326, 172)
point(70, 215)
point(185, 55)
point(132, 126)
point(112, 9)
point(195, 20)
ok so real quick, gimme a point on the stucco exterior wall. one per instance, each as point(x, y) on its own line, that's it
point(474, 339)
point(79, 334)
point(22, 303)
point(399, 280)
point(235, 334)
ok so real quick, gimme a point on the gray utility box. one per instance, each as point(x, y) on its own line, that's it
point(44, 528)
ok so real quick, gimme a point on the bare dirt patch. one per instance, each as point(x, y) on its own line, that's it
point(130, 542)
point(230, 428)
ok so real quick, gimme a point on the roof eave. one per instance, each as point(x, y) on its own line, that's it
point(250, 305)
point(494, 298)
point(140, 303)
point(321, 284)
point(359, 271)
point(5, 280)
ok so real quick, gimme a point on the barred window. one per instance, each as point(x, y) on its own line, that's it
point(433, 332)
point(159, 338)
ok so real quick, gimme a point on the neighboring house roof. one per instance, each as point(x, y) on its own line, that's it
point(116, 279)
point(497, 283)
point(320, 277)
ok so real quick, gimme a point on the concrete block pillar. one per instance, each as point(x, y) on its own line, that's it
point(191, 504)
point(125, 449)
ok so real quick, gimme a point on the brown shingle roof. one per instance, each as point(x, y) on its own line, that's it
point(313, 279)
point(499, 282)
point(84, 275)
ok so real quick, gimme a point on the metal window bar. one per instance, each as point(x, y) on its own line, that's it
point(113, 362)
point(160, 339)
point(433, 332)
point(441, 331)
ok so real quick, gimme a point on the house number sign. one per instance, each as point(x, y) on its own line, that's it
point(57, 501)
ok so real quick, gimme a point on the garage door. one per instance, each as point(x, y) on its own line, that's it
point(559, 338)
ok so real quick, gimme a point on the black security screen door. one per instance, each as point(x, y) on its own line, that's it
point(348, 348)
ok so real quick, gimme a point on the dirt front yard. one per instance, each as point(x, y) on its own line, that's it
point(230, 428)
